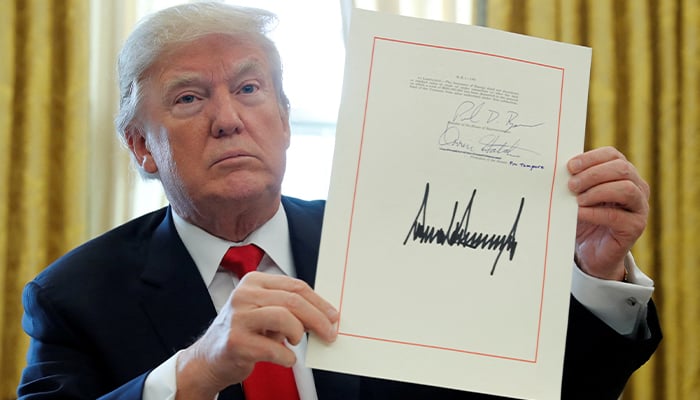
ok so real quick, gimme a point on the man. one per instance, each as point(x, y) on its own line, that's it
point(146, 311)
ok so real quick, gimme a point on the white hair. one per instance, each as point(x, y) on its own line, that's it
point(161, 31)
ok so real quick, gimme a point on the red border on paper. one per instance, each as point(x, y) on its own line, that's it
point(551, 194)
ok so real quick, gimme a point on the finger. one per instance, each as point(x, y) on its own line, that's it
point(274, 322)
point(626, 226)
point(302, 311)
point(264, 348)
point(610, 171)
point(285, 283)
point(619, 206)
point(618, 194)
point(309, 308)
point(594, 157)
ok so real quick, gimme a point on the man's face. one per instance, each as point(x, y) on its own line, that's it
point(212, 128)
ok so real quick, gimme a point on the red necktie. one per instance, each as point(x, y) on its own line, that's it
point(268, 381)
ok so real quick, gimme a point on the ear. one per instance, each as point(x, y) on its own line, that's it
point(138, 144)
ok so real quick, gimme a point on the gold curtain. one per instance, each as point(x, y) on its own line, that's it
point(113, 182)
point(43, 137)
point(645, 100)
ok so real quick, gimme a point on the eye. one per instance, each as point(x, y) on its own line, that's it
point(248, 89)
point(186, 99)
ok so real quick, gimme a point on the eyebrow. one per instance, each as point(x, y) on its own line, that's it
point(185, 79)
point(247, 67)
point(250, 66)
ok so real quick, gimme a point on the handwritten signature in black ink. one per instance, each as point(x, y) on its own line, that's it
point(488, 117)
point(497, 142)
point(458, 233)
point(489, 145)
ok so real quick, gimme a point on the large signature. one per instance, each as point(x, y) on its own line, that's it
point(499, 139)
point(458, 233)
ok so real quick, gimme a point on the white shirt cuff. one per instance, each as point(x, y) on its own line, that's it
point(161, 383)
point(621, 305)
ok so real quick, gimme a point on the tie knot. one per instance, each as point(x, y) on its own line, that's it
point(242, 259)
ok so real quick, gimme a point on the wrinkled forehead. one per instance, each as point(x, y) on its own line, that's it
point(214, 45)
point(213, 57)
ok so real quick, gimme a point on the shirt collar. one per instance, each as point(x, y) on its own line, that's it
point(207, 250)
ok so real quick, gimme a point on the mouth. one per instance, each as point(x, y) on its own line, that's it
point(232, 156)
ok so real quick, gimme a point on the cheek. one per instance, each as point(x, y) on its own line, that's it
point(275, 157)
point(180, 142)
point(158, 144)
point(161, 149)
point(280, 146)
point(270, 131)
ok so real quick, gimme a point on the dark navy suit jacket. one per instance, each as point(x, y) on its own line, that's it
point(104, 315)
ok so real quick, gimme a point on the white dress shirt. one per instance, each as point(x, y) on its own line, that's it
point(621, 305)
point(207, 251)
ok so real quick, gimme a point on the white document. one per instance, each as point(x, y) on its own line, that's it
point(449, 231)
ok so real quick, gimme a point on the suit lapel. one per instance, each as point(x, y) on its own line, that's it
point(173, 294)
point(304, 236)
point(179, 306)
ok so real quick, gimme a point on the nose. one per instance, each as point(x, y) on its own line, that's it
point(225, 117)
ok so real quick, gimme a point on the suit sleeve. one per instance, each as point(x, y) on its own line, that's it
point(59, 364)
point(598, 360)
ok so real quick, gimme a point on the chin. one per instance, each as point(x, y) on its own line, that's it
point(257, 192)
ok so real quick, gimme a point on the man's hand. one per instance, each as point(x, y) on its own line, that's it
point(613, 208)
point(262, 312)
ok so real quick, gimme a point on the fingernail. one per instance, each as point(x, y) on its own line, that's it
point(333, 334)
point(575, 165)
point(332, 313)
point(574, 184)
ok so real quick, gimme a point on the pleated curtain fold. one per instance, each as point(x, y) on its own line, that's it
point(645, 100)
point(43, 146)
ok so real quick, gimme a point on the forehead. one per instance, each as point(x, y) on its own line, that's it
point(210, 55)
